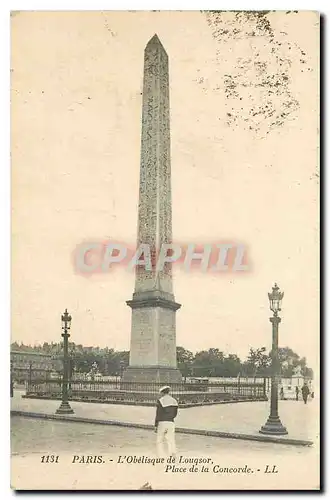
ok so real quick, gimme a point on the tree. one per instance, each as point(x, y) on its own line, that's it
point(289, 360)
point(184, 360)
point(258, 362)
point(206, 363)
point(184, 356)
point(231, 366)
point(209, 363)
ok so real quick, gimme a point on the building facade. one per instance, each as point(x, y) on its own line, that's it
point(27, 365)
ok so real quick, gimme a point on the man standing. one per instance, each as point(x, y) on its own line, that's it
point(305, 392)
point(167, 409)
point(297, 393)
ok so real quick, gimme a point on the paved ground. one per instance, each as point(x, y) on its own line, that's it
point(31, 439)
point(41, 436)
point(245, 418)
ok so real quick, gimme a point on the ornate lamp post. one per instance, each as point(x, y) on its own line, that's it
point(30, 374)
point(122, 367)
point(274, 425)
point(65, 408)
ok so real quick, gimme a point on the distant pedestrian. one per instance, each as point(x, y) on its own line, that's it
point(167, 409)
point(282, 393)
point(297, 393)
point(305, 392)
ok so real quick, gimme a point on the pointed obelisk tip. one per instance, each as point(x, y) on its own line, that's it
point(154, 41)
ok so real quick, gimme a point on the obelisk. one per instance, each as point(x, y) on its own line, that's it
point(153, 332)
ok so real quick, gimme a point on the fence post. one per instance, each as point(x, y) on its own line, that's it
point(30, 372)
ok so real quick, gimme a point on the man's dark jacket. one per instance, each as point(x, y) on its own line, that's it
point(305, 390)
point(167, 409)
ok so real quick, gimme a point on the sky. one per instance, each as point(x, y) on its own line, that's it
point(244, 157)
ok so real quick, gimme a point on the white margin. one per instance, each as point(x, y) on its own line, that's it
point(5, 8)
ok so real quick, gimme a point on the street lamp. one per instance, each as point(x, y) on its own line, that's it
point(65, 408)
point(274, 425)
point(122, 367)
point(30, 375)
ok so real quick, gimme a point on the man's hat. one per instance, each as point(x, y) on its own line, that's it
point(164, 387)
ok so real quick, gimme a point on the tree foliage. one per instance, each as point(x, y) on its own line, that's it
point(206, 363)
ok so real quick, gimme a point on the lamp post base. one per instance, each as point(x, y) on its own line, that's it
point(274, 427)
point(64, 409)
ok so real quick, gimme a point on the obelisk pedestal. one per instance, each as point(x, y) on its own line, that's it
point(153, 332)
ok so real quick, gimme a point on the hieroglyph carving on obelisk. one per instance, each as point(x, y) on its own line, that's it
point(153, 335)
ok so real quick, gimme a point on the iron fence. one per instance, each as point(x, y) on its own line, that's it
point(116, 389)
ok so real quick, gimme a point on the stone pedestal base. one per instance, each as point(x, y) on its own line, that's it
point(64, 409)
point(152, 374)
point(274, 427)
